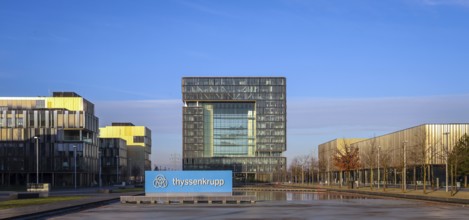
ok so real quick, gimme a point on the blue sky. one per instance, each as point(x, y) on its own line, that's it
point(354, 68)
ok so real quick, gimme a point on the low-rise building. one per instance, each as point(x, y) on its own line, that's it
point(114, 166)
point(138, 142)
point(408, 150)
point(40, 137)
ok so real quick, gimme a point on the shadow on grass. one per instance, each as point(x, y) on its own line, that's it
point(17, 203)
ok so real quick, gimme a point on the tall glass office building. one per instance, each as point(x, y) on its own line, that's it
point(235, 123)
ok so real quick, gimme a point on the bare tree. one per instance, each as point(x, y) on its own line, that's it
point(305, 164)
point(302, 164)
point(313, 165)
point(399, 163)
point(442, 153)
point(420, 154)
point(295, 170)
point(369, 157)
point(385, 162)
point(322, 166)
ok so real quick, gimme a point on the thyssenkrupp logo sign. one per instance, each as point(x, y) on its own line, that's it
point(160, 181)
point(188, 181)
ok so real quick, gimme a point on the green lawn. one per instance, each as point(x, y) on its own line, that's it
point(38, 201)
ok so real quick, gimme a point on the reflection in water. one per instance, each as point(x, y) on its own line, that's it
point(299, 196)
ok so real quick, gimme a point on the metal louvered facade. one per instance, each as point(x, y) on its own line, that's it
point(64, 126)
point(235, 123)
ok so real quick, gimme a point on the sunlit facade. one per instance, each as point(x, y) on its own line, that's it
point(138, 141)
point(427, 144)
point(326, 152)
point(64, 125)
point(235, 123)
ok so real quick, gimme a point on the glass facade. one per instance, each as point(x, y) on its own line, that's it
point(236, 123)
point(138, 141)
point(63, 129)
point(229, 129)
point(114, 159)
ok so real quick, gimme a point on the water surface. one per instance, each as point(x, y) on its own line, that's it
point(284, 205)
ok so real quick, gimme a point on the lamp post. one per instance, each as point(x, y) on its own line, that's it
point(404, 178)
point(117, 169)
point(379, 147)
point(37, 159)
point(75, 167)
point(130, 169)
point(100, 165)
point(245, 172)
point(328, 170)
point(446, 159)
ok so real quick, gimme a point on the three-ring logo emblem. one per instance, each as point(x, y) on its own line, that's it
point(160, 181)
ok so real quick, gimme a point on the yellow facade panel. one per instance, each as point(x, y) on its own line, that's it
point(70, 103)
point(124, 132)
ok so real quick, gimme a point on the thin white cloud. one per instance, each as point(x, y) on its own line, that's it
point(161, 116)
point(374, 112)
point(104, 88)
point(315, 121)
point(311, 121)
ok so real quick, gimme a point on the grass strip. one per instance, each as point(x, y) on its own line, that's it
point(36, 201)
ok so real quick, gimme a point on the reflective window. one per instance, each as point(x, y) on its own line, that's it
point(229, 128)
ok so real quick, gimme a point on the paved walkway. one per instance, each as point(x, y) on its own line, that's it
point(92, 199)
point(461, 197)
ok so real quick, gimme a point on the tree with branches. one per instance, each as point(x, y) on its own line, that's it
point(300, 164)
point(463, 169)
point(419, 155)
point(385, 162)
point(458, 160)
point(347, 159)
point(313, 166)
point(370, 159)
point(295, 169)
point(322, 166)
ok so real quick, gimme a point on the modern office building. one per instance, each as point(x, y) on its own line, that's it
point(426, 144)
point(44, 135)
point(114, 168)
point(235, 123)
point(138, 140)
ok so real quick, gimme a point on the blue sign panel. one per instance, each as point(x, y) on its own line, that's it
point(188, 182)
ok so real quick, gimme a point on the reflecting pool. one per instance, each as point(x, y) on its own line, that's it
point(283, 205)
